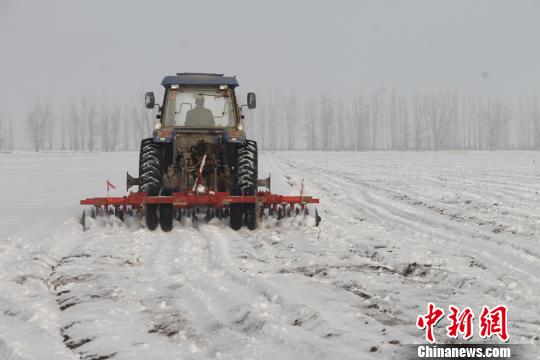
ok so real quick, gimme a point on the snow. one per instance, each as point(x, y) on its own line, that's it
point(399, 230)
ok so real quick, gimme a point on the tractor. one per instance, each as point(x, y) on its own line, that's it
point(199, 160)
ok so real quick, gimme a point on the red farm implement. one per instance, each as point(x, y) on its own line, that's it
point(190, 203)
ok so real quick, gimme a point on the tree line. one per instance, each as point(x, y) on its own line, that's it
point(86, 125)
point(446, 120)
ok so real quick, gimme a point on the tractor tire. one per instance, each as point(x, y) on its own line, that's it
point(247, 168)
point(236, 213)
point(250, 211)
point(245, 184)
point(150, 176)
point(151, 214)
point(166, 214)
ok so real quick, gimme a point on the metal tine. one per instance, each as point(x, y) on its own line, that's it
point(297, 210)
point(279, 212)
point(83, 220)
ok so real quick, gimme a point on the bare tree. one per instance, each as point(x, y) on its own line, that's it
point(339, 126)
point(272, 122)
point(326, 121)
point(398, 122)
point(63, 132)
point(89, 115)
point(375, 116)
point(310, 117)
point(75, 131)
point(291, 117)
point(533, 116)
point(403, 115)
point(142, 122)
point(494, 115)
point(104, 120)
point(11, 137)
point(361, 124)
point(37, 123)
point(2, 130)
point(50, 133)
point(438, 111)
point(114, 126)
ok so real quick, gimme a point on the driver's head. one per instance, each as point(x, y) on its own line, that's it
point(199, 100)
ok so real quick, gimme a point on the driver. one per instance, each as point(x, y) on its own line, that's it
point(199, 116)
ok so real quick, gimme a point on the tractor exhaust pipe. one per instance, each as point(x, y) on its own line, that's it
point(131, 181)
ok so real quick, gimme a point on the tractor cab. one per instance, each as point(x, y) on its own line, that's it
point(200, 101)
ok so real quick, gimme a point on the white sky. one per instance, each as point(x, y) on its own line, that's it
point(59, 49)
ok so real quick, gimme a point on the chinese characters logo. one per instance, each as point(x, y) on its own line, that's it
point(491, 322)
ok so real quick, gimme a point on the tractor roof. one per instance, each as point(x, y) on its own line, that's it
point(199, 79)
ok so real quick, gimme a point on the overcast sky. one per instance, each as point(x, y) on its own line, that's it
point(58, 49)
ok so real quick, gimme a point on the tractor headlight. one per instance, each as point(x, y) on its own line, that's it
point(157, 126)
point(240, 126)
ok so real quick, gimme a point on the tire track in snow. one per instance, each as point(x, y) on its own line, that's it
point(395, 211)
point(285, 311)
point(391, 212)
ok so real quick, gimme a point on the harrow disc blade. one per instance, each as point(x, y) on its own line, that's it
point(83, 220)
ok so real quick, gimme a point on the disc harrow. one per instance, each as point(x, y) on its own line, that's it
point(190, 204)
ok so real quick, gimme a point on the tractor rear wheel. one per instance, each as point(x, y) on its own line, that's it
point(245, 184)
point(150, 167)
point(166, 214)
point(151, 216)
point(150, 178)
point(236, 212)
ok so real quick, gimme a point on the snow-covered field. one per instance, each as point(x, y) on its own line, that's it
point(399, 230)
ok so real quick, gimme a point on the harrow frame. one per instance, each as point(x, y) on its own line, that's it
point(189, 199)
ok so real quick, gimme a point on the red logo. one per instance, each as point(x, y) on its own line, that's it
point(429, 320)
point(491, 322)
point(494, 322)
point(460, 323)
